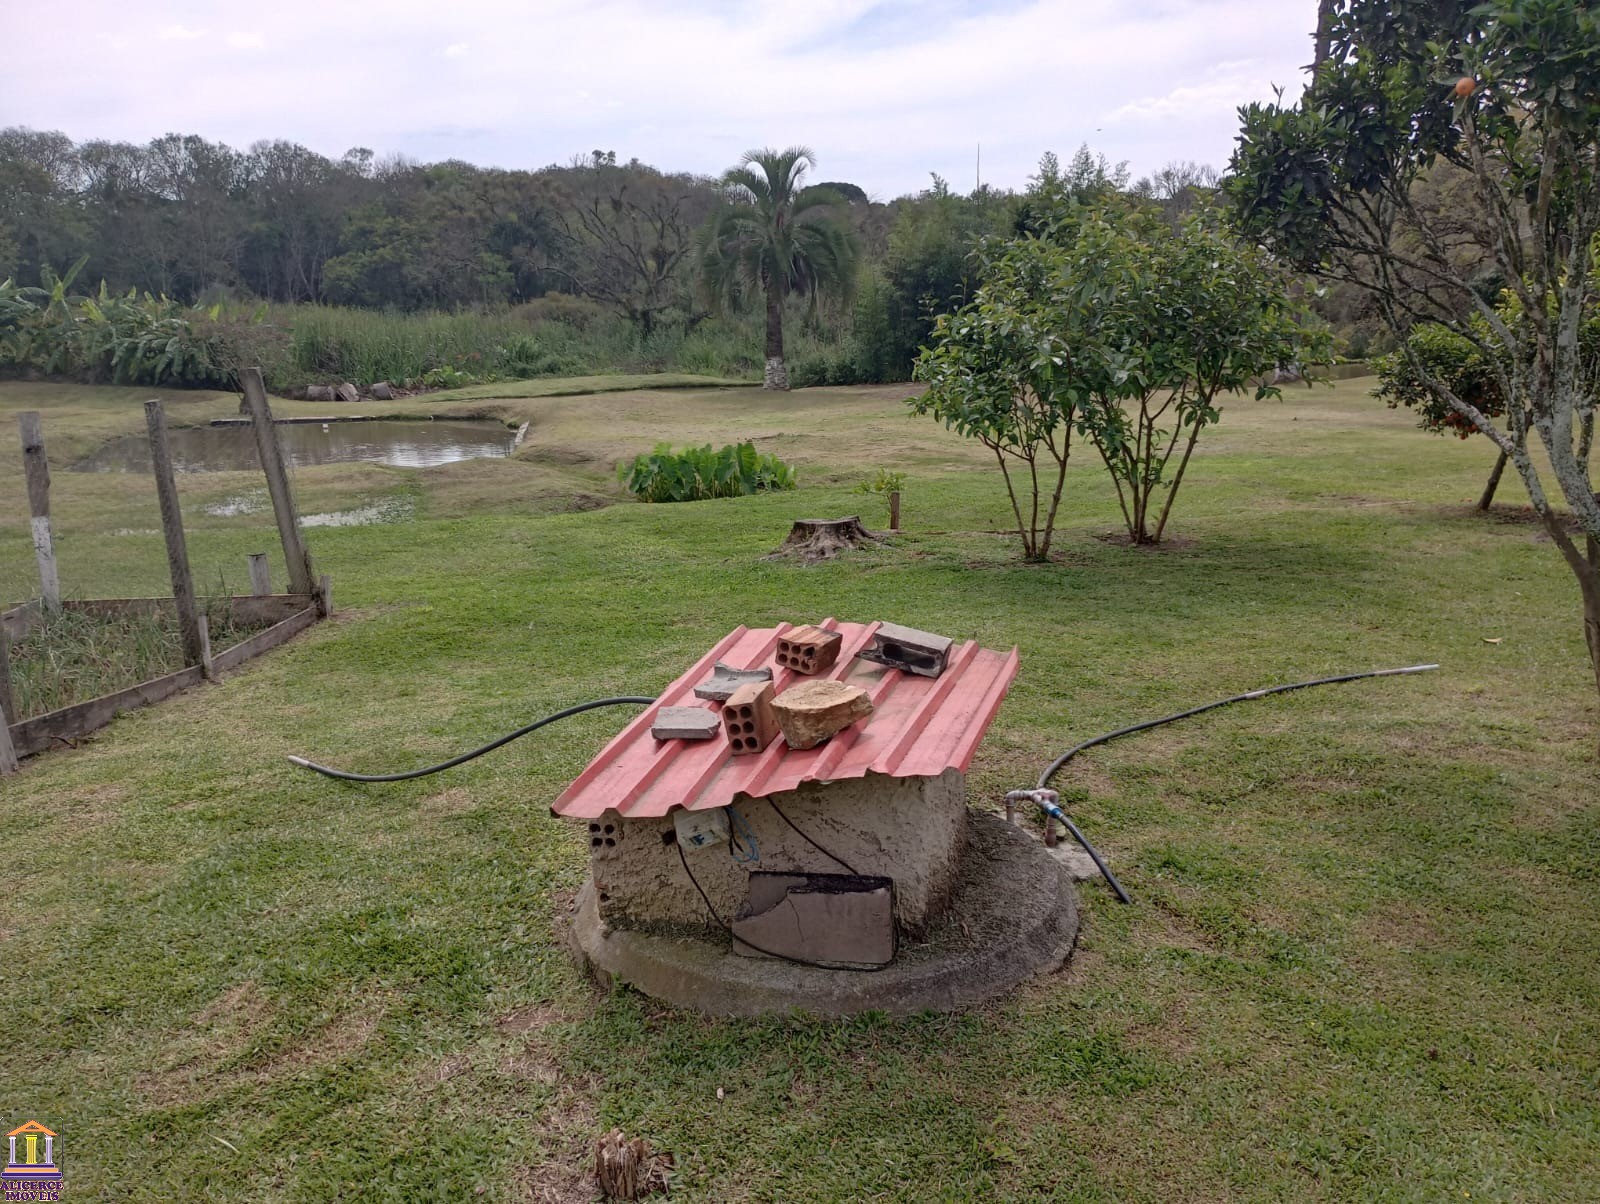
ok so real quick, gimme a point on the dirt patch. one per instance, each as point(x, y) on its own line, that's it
point(1168, 930)
point(533, 1019)
point(447, 1069)
point(1174, 1035)
point(335, 1041)
point(220, 1033)
point(458, 800)
point(565, 1173)
point(1169, 543)
point(201, 1061)
point(1399, 926)
point(566, 457)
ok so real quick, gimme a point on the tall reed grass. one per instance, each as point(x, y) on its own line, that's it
point(552, 337)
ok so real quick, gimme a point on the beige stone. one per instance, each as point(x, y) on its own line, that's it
point(811, 711)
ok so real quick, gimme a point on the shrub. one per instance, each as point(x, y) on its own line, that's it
point(697, 473)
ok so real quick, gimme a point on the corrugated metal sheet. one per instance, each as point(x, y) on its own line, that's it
point(921, 727)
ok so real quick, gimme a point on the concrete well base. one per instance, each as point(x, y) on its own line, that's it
point(1014, 914)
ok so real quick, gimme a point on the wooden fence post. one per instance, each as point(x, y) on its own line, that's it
point(894, 510)
point(38, 472)
point(302, 578)
point(8, 696)
point(8, 754)
point(194, 644)
point(260, 574)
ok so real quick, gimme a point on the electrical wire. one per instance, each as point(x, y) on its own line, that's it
point(831, 856)
point(1055, 766)
point(626, 700)
point(722, 924)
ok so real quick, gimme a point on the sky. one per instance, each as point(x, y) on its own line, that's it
point(884, 91)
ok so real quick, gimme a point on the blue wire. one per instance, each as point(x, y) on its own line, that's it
point(741, 834)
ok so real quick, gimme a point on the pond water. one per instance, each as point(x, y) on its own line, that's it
point(233, 448)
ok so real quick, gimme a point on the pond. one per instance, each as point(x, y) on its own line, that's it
point(233, 448)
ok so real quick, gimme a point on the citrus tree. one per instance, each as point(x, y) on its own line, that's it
point(1114, 326)
point(1508, 93)
point(1001, 370)
point(1183, 317)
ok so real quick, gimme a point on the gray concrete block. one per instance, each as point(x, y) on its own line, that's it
point(906, 648)
point(685, 723)
point(725, 679)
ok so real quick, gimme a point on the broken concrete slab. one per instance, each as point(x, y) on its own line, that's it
point(809, 712)
point(748, 717)
point(347, 392)
point(838, 920)
point(906, 648)
point(809, 649)
point(685, 723)
point(725, 679)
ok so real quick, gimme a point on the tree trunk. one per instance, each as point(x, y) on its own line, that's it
point(1591, 609)
point(1493, 484)
point(1324, 43)
point(777, 375)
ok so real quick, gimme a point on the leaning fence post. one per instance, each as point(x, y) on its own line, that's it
point(38, 473)
point(8, 753)
point(302, 580)
point(8, 697)
point(194, 644)
point(260, 574)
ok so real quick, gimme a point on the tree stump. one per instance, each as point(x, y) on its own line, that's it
point(629, 1169)
point(813, 539)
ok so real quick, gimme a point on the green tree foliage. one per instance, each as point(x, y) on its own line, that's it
point(777, 237)
point(1003, 370)
point(630, 231)
point(1507, 93)
point(698, 473)
point(1181, 317)
point(126, 338)
point(1118, 327)
point(1437, 353)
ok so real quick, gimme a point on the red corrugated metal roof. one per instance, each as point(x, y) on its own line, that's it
point(920, 727)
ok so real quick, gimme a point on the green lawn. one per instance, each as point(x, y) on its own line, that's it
point(1360, 963)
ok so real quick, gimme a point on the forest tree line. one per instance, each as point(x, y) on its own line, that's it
point(199, 221)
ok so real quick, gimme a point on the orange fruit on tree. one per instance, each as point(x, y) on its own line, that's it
point(1466, 86)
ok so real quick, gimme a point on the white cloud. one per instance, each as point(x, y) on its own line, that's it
point(181, 33)
point(885, 90)
point(247, 41)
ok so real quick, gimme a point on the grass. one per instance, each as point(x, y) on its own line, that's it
point(70, 657)
point(1357, 966)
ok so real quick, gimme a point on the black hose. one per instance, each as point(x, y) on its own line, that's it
point(1055, 766)
point(627, 700)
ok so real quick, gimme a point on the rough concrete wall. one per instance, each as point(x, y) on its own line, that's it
point(912, 830)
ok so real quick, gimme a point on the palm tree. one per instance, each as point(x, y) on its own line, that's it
point(778, 236)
